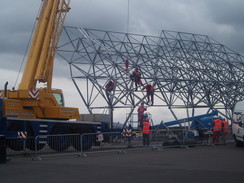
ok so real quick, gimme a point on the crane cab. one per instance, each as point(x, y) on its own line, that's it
point(58, 95)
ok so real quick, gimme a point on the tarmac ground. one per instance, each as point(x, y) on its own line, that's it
point(201, 164)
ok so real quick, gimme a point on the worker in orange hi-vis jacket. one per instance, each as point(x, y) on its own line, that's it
point(146, 132)
point(217, 128)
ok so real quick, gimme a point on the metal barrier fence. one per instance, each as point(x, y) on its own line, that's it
point(158, 139)
point(81, 145)
point(76, 144)
point(174, 137)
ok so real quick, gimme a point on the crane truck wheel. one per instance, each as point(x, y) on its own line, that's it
point(16, 144)
point(87, 141)
point(166, 144)
point(237, 142)
point(60, 138)
point(31, 140)
point(175, 143)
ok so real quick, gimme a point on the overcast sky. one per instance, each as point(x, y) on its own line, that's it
point(222, 20)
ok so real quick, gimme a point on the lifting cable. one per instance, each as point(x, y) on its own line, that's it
point(28, 44)
point(128, 16)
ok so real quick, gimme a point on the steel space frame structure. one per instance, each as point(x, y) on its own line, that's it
point(190, 71)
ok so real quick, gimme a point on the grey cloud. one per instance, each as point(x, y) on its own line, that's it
point(16, 20)
point(227, 26)
point(108, 14)
point(227, 12)
point(220, 19)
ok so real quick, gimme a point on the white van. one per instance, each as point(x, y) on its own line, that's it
point(238, 123)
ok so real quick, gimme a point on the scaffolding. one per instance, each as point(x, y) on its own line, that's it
point(189, 71)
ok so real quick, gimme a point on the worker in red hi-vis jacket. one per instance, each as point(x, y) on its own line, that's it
point(141, 109)
point(110, 86)
point(136, 77)
point(127, 65)
point(150, 93)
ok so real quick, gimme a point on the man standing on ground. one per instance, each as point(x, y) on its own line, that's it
point(217, 128)
point(146, 132)
point(225, 130)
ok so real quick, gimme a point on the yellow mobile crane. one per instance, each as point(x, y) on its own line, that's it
point(29, 101)
point(36, 111)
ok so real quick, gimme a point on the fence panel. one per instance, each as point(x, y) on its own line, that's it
point(54, 145)
point(101, 142)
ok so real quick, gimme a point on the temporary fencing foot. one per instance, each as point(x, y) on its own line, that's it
point(122, 151)
point(83, 155)
point(184, 146)
point(36, 158)
point(156, 148)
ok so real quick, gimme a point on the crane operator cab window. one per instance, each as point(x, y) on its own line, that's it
point(59, 98)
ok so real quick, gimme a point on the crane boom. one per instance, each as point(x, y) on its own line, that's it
point(40, 61)
point(32, 102)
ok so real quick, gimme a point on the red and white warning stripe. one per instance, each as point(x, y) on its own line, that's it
point(127, 132)
point(22, 135)
point(34, 94)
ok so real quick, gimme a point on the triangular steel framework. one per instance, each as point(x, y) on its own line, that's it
point(191, 71)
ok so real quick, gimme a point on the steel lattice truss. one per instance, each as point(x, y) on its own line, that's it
point(191, 71)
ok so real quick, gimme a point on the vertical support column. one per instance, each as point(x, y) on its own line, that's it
point(112, 116)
